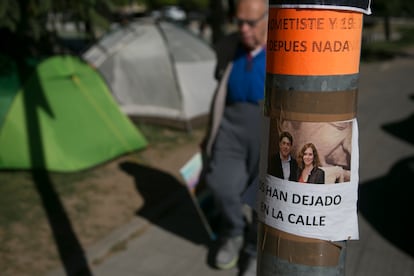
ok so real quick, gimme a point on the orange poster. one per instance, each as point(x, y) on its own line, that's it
point(313, 42)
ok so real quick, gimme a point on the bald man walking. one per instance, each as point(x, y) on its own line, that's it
point(232, 144)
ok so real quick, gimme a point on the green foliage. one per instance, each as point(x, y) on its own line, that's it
point(393, 8)
point(27, 21)
point(194, 4)
point(186, 4)
point(119, 3)
point(9, 15)
point(93, 13)
point(160, 3)
point(99, 20)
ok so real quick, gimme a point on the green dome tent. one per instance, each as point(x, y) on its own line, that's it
point(79, 124)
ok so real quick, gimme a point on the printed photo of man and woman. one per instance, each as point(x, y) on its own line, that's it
point(309, 152)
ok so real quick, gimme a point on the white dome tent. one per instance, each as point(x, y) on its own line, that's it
point(158, 72)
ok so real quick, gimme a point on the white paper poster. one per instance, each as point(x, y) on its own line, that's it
point(327, 211)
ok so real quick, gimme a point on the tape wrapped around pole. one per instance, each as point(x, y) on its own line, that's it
point(313, 50)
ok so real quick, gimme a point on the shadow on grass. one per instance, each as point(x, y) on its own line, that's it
point(69, 248)
point(387, 202)
point(167, 203)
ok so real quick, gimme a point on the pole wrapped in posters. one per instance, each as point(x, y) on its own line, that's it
point(313, 51)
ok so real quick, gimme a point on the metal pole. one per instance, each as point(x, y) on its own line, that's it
point(313, 53)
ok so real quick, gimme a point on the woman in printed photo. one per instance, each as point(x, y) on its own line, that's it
point(308, 165)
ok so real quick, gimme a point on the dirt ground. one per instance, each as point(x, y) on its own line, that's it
point(101, 200)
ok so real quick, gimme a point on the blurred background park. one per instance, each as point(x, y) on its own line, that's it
point(52, 211)
point(43, 28)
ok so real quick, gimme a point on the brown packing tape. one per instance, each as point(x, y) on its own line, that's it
point(312, 106)
point(307, 117)
point(296, 249)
